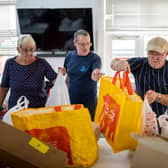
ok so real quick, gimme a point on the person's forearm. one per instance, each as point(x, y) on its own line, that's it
point(3, 92)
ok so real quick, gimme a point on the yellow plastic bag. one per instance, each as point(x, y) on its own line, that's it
point(118, 112)
point(67, 127)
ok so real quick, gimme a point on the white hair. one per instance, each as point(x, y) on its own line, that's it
point(25, 38)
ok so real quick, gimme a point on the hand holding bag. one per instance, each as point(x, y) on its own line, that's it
point(119, 112)
point(59, 93)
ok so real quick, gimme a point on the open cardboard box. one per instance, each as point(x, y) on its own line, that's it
point(20, 150)
point(152, 152)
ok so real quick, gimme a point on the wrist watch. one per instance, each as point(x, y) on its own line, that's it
point(158, 98)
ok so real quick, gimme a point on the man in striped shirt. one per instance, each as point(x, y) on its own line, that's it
point(151, 74)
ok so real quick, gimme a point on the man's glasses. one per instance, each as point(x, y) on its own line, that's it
point(26, 50)
point(154, 54)
point(84, 44)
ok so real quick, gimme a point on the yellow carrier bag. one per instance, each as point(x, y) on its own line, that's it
point(68, 127)
point(118, 112)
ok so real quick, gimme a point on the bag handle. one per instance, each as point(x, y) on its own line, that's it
point(115, 79)
point(22, 103)
point(126, 82)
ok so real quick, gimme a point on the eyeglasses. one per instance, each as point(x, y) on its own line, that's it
point(26, 50)
point(84, 44)
point(156, 54)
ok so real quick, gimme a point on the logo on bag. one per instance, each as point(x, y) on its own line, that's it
point(109, 117)
point(57, 137)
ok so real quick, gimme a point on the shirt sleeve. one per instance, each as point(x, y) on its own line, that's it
point(136, 63)
point(5, 75)
point(50, 74)
point(96, 63)
point(66, 59)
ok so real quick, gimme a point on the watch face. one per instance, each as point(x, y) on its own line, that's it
point(158, 98)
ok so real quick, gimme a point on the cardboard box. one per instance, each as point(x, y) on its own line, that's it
point(20, 150)
point(152, 152)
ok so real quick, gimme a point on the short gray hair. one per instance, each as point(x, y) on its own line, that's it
point(79, 33)
point(24, 39)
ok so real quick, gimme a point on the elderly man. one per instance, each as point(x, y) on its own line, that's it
point(151, 74)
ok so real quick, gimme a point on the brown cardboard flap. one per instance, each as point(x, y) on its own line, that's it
point(10, 161)
point(151, 152)
point(15, 142)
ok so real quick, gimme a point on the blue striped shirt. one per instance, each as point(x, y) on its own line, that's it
point(147, 78)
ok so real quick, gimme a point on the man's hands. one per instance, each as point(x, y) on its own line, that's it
point(120, 65)
point(96, 74)
point(151, 96)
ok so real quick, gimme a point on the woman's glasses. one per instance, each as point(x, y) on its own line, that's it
point(26, 50)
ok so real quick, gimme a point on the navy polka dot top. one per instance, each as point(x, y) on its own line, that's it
point(27, 80)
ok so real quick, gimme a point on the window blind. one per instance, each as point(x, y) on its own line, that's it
point(136, 14)
point(8, 27)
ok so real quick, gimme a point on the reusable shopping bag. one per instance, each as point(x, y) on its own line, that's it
point(68, 128)
point(58, 95)
point(149, 126)
point(22, 103)
point(118, 112)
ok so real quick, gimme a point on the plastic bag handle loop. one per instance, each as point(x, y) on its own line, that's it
point(22, 102)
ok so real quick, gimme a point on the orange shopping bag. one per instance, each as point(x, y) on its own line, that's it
point(118, 112)
point(67, 127)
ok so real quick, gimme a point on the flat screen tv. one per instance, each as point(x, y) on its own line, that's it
point(53, 29)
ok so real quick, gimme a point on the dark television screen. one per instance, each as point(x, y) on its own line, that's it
point(53, 29)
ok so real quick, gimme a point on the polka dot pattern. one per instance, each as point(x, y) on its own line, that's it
point(150, 123)
point(27, 80)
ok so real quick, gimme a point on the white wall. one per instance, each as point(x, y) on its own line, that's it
point(98, 19)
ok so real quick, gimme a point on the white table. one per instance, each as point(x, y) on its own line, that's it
point(108, 159)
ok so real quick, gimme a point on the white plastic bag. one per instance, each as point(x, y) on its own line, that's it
point(22, 103)
point(59, 93)
point(149, 126)
point(163, 122)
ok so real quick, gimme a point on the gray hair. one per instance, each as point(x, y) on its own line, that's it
point(79, 33)
point(23, 39)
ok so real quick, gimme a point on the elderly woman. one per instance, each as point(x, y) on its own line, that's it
point(24, 75)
